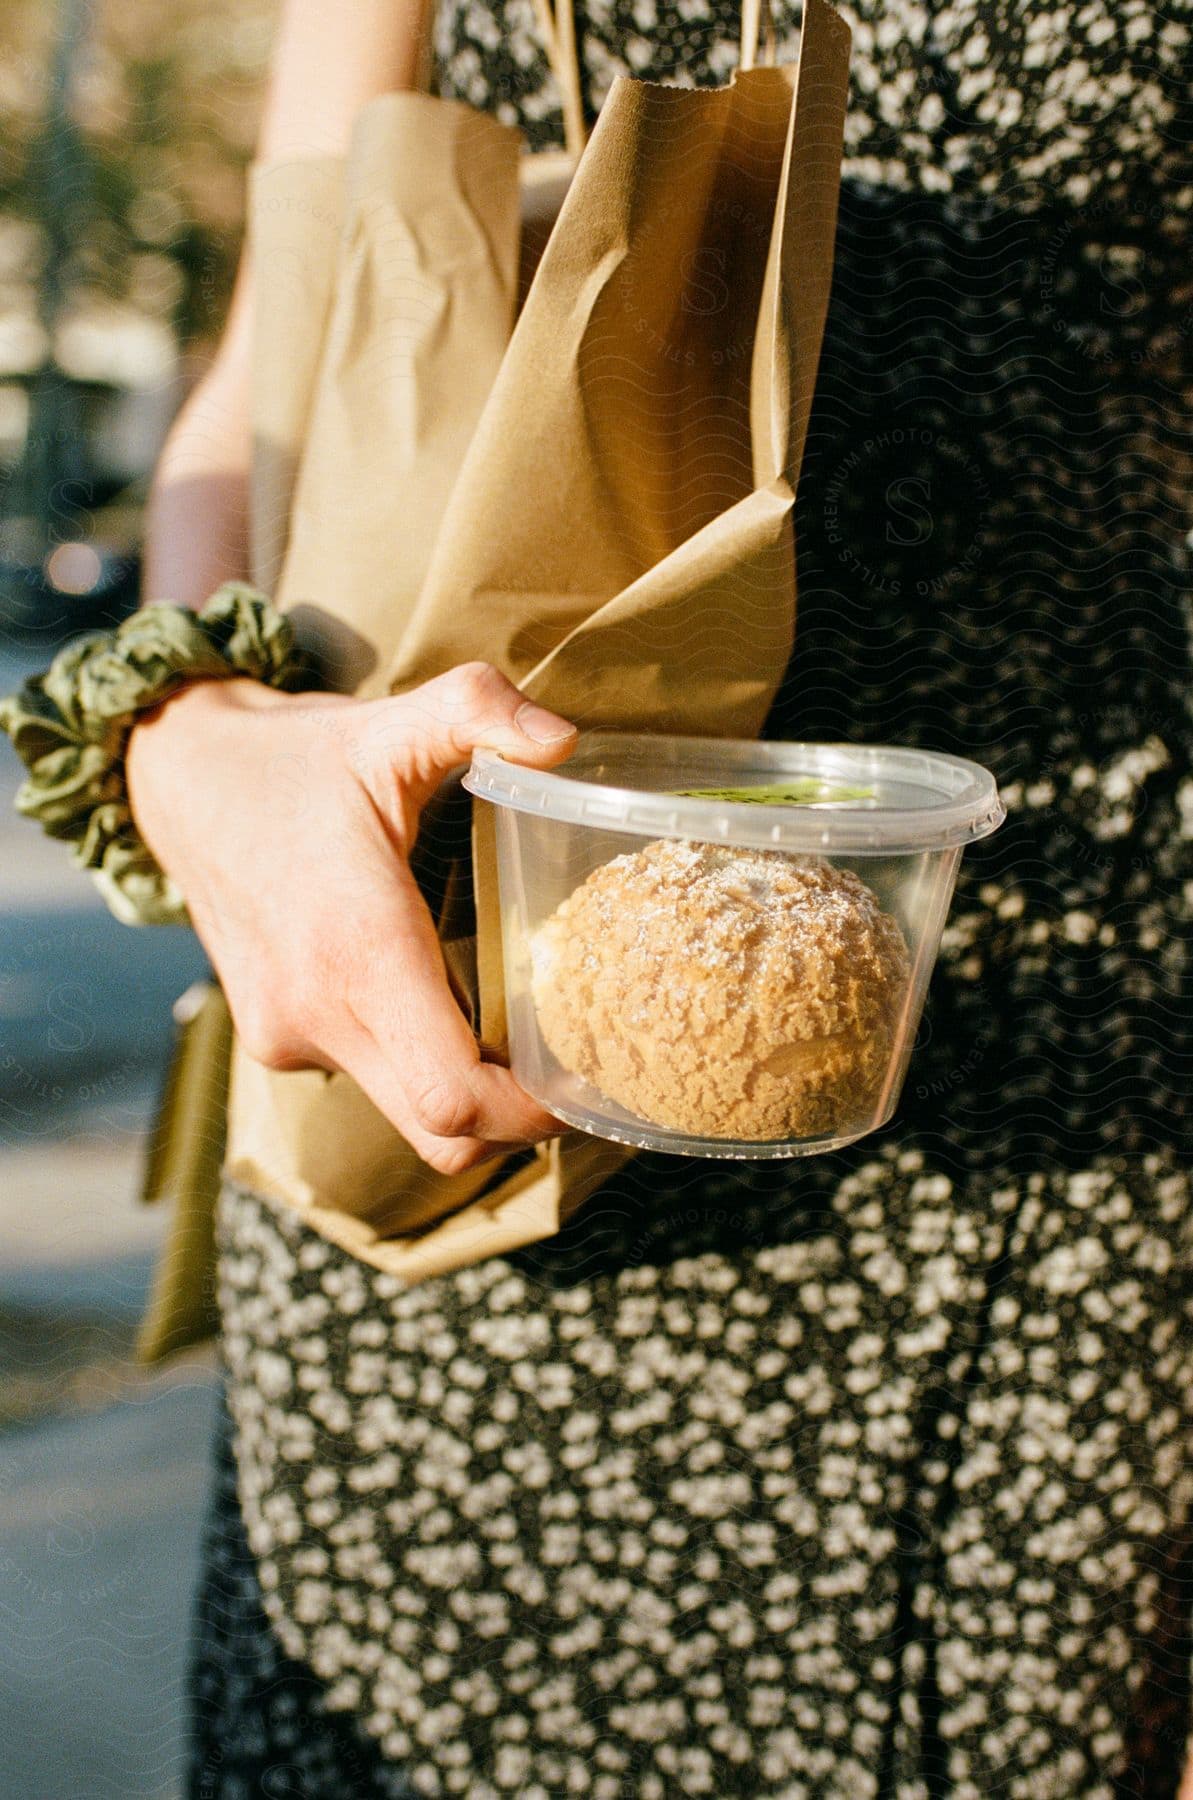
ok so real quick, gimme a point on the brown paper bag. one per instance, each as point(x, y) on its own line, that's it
point(600, 504)
point(183, 1155)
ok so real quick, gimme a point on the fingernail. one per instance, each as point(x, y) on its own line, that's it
point(537, 723)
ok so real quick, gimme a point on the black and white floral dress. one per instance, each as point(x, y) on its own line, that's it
point(868, 1475)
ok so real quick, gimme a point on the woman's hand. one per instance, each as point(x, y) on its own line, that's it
point(287, 821)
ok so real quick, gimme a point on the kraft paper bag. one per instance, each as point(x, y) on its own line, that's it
point(184, 1153)
point(594, 492)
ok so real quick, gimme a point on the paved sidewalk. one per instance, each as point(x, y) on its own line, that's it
point(99, 1529)
point(102, 1486)
point(103, 1469)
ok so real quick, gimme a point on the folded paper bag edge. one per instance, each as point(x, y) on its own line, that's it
point(507, 1219)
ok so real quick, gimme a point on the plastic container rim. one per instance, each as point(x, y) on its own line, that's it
point(972, 810)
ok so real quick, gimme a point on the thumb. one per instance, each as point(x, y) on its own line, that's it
point(445, 719)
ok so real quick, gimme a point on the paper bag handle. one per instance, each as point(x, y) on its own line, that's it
point(558, 25)
point(757, 19)
point(557, 21)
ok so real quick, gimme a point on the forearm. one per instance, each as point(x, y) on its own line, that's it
point(196, 526)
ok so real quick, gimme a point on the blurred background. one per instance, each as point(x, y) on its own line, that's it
point(125, 129)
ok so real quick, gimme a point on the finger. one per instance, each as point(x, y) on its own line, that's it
point(437, 1072)
point(423, 735)
point(374, 1075)
point(373, 1072)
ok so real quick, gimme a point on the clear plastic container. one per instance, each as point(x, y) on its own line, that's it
point(718, 974)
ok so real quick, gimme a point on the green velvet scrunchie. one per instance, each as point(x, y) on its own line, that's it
point(70, 727)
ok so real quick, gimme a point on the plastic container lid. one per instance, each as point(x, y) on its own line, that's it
point(896, 802)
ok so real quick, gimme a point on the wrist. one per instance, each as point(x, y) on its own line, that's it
point(73, 726)
point(203, 699)
point(169, 740)
point(176, 727)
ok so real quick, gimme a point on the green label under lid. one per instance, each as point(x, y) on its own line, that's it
point(805, 791)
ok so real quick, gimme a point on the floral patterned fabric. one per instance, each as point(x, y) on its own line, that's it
point(866, 1475)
